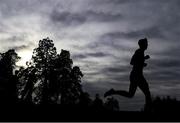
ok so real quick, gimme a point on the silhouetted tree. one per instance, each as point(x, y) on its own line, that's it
point(76, 88)
point(50, 77)
point(69, 79)
point(35, 77)
point(7, 78)
point(43, 60)
point(27, 78)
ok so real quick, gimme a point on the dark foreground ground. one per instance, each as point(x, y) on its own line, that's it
point(58, 113)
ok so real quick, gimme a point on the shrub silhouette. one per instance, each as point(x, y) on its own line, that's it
point(165, 105)
point(112, 104)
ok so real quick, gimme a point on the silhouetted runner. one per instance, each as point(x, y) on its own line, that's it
point(136, 77)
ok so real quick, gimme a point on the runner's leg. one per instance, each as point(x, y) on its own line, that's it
point(130, 93)
point(143, 85)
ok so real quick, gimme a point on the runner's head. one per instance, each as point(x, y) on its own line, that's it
point(143, 43)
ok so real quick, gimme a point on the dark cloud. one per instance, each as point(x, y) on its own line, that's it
point(102, 17)
point(166, 63)
point(116, 74)
point(152, 32)
point(116, 2)
point(108, 45)
point(17, 48)
point(172, 51)
point(79, 56)
point(88, 55)
point(114, 69)
point(16, 38)
point(70, 18)
point(97, 54)
point(67, 18)
point(163, 75)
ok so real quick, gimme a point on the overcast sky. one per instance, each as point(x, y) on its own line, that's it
point(102, 36)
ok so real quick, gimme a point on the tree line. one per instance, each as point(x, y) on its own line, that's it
point(48, 78)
